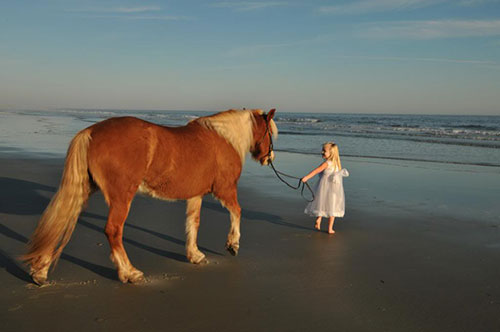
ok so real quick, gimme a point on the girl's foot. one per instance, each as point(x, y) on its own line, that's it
point(331, 231)
point(317, 226)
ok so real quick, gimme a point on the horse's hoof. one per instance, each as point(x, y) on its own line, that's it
point(203, 261)
point(198, 258)
point(233, 250)
point(40, 280)
point(136, 277)
point(123, 278)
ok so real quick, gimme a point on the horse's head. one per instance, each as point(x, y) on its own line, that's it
point(263, 132)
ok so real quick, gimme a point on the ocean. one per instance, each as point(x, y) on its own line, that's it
point(450, 139)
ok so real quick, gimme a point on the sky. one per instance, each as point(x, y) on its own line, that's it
point(360, 56)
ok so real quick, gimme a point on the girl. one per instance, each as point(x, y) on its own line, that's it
point(329, 191)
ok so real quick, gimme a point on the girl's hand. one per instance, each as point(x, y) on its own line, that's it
point(303, 180)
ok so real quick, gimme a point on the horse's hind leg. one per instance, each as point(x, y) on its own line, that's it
point(230, 201)
point(193, 207)
point(118, 213)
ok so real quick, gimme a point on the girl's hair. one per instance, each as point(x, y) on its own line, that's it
point(334, 154)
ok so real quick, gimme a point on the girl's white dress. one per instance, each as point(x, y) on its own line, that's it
point(329, 200)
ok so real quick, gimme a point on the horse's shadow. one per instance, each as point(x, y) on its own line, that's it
point(13, 266)
point(8, 263)
point(137, 244)
point(255, 216)
point(21, 197)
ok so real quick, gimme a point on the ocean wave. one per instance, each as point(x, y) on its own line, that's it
point(410, 130)
point(403, 126)
point(479, 127)
point(397, 158)
point(297, 120)
point(160, 117)
point(86, 113)
point(175, 116)
point(459, 141)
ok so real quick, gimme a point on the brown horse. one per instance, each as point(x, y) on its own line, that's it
point(125, 155)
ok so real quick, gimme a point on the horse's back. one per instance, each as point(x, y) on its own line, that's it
point(121, 124)
point(127, 135)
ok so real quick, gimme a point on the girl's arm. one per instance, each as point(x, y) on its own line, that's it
point(315, 171)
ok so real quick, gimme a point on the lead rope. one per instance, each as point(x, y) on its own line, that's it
point(300, 185)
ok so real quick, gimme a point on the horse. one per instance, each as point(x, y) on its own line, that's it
point(122, 156)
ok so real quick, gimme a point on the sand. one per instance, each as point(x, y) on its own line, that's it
point(410, 255)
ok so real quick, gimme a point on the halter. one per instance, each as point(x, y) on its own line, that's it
point(278, 173)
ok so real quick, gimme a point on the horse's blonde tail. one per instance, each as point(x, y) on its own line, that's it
point(59, 218)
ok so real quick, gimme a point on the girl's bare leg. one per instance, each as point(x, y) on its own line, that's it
point(330, 225)
point(318, 223)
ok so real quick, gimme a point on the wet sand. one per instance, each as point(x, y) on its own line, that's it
point(408, 256)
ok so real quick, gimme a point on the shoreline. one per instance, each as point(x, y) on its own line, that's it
point(51, 131)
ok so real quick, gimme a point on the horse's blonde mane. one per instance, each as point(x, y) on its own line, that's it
point(234, 125)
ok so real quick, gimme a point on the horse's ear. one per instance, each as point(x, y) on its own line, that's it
point(270, 115)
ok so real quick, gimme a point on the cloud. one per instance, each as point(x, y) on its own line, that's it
point(118, 10)
point(137, 9)
point(372, 6)
point(128, 13)
point(439, 60)
point(470, 62)
point(142, 17)
point(423, 30)
point(256, 49)
point(369, 6)
point(252, 50)
point(249, 5)
point(430, 29)
point(471, 3)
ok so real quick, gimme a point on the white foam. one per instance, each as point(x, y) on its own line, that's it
point(38, 133)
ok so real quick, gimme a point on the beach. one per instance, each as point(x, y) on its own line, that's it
point(418, 255)
point(165, 98)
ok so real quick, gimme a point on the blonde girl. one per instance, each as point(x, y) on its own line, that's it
point(329, 198)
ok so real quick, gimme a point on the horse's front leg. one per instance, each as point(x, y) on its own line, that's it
point(194, 255)
point(233, 238)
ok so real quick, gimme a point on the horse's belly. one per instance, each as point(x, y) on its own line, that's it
point(171, 192)
point(147, 190)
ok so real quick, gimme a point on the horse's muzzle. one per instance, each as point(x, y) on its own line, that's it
point(265, 161)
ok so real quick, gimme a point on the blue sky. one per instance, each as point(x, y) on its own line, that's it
point(363, 56)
